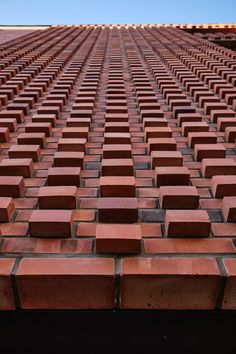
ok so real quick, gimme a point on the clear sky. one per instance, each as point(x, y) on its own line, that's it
point(34, 12)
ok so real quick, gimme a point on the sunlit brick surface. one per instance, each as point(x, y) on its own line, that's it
point(117, 170)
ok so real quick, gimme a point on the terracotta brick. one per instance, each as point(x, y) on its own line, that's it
point(44, 118)
point(64, 176)
point(117, 138)
point(158, 132)
point(49, 110)
point(194, 127)
point(223, 123)
point(74, 280)
point(12, 186)
point(18, 115)
point(201, 138)
point(222, 113)
point(229, 209)
point(203, 151)
point(61, 197)
point(39, 128)
point(118, 238)
point(51, 223)
point(223, 186)
point(7, 301)
point(7, 208)
point(9, 123)
point(147, 283)
point(24, 152)
point(120, 151)
point(68, 159)
point(16, 167)
point(166, 158)
point(32, 139)
point(178, 197)
point(117, 167)
point(155, 122)
point(208, 107)
point(189, 117)
point(230, 287)
point(78, 122)
point(230, 134)
point(71, 144)
point(118, 210)
point(4, 135)
point(187, 223)
point(172, 176)
point(122, 186)
point(117, 127)
point(161, 144)
point(212, 167)
point(73, 132)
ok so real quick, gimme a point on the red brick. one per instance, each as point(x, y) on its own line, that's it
point(118, 238)
point(18, 115)
point(24, 152)
point(120, 151)
point(161, 144)
point(64, 176)
point(166, 158)
point(73, 280)
point(157, 132)
point(223, 186)
point(12, 186)
point(178, 197)
point(73, 132)
point(117, 138)
point(148, 283)
point(230, 134)
point(6, 209)
point(122, 186)
point(6, 290)
point(71, 144)
point(68, 159)
point(16, 167)
point(57, 197)
point(9, 123)
point(117, 167)
point(193, 127)
point(32, 139)
point(51, 223)
point(203, 151)
point(189, 117)
point(4, 135)
point(212, 167)
point(201, 138)
point(39, 128)
point(229, 209)
point(229, 302)
point(118, 210)
point(172, 176)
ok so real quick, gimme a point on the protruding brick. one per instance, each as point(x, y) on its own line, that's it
point(178, 197)
point(4, 135)
point(64, 176)
point(7, 301)
point(122, 186)
point(24, 152)
point(6, 209)
point(63, 197)
point(223, 186)
point(166, 158)
point(118, 238)
point(32, 139)
point(212, 167)
point(117, 167)
point(172, 176)
point(120, 151)
point(68, 159)
point(203, 151)
point(161, 144)
point(51, 223)
point(16, 167)
point(118, 210)
point(187, 223)
point(201, 138)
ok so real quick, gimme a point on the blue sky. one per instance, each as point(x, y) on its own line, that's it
point(116, 11)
